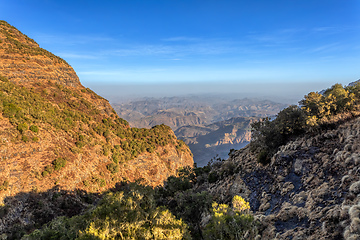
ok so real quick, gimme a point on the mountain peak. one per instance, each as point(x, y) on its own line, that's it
point(24, 62)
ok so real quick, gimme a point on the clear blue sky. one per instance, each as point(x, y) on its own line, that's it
point(196, 42)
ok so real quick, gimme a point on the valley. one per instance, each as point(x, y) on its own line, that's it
point(210, 125)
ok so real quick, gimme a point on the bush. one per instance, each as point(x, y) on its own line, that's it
point(263, 157)
point(213, 177)
point(48, 170)
point(34, 128)
point(24, 138)
point(59, 163)
point(231, 222)
point(4, 186)
point(113, 167)
point(22, 127)
point(115, 157)
point(80, 144)
point(267, 136)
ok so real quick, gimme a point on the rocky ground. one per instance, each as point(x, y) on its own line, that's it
point(310, 190)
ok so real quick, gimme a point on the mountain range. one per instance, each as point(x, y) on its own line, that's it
point(181, 111)
point(211, 125)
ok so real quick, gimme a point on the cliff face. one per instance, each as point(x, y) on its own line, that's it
point(310, 190)
point(55, 132)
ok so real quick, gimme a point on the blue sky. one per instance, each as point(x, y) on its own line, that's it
point(196, 42)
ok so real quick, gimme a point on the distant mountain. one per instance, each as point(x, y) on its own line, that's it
point(192, 110)
point(353, 83)
point(208, 141)
point(210, 125)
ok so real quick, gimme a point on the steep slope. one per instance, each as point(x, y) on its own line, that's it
point(310, 188)
point(23, 61)
point(216, 140)
point(55, 132)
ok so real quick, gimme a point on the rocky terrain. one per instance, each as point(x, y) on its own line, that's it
point(310, 190)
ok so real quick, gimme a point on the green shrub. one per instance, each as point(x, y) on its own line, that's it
point(231, 222)
point(10, 109)
point(113, 168)
point(24, 138)
point(102, 182)
point(128, 214)
point(34, 128)
point(106, 150)
point(22, 127)
point(59, 163)
point(115, 157)
point(80, 144)
point(48, 170)
point(263, 157)
point(4, 186)
point(213, 177)
point(267, 136)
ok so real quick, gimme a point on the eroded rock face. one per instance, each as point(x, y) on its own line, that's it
point(310, 190)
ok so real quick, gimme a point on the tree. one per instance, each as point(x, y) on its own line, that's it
point(314, 106)
point(267, 136)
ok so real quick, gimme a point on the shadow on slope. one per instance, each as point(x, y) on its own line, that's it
point(25, 212)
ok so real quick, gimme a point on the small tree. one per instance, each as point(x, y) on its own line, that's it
point(231, 223)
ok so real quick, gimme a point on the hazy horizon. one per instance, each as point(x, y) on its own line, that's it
point(289, 93)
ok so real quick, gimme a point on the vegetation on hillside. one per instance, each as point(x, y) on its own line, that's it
point(316, 110)
point(66, 109)
point(128, 214)
point(175, 211)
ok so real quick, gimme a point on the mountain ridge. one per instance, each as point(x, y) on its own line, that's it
point(55, 132)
